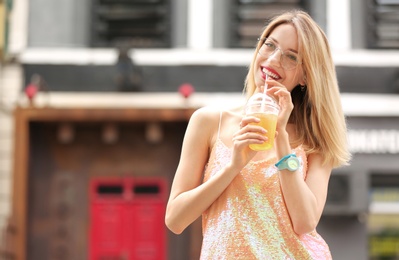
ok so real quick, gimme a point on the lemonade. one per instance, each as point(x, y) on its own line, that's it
point(268, 122)
point(265, 108)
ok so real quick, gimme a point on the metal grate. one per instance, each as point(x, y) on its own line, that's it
point(250, 17)
point(136, 23)
point(383, 24)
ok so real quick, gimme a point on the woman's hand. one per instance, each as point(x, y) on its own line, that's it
point(283, 97)
point(249, 133)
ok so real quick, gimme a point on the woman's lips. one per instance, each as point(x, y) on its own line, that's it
point(271, 73)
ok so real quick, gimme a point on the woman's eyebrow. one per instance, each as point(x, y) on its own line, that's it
point(274, 40)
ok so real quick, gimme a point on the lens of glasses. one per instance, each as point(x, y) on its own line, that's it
point(288, 59)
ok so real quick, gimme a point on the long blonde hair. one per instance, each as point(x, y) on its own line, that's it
point(318, 117)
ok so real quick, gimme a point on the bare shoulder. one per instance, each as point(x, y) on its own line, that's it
point(207, 121)
point(212, 115)
point(204, 124)
point(206, 115)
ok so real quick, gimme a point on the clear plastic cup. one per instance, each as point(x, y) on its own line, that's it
point(266, 109)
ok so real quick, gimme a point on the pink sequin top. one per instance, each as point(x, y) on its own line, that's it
point(249, 220)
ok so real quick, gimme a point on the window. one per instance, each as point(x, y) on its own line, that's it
point(251, 16)
point(137, 23)
point(383, 221)
point(383, 24)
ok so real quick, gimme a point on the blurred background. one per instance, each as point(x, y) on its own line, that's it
point(95, 96)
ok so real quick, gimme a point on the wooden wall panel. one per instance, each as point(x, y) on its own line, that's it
point(52, 178)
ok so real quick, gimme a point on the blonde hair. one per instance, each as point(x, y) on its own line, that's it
point(318, 117)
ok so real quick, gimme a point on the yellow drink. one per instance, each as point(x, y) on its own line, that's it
point(268, 122)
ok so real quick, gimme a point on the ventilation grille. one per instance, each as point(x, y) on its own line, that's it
point(383, 24)
point(251, 16)
point(136, 23)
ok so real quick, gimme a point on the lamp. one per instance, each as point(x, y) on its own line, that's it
point(66, 133)
point(154, 133)
point(110, 133)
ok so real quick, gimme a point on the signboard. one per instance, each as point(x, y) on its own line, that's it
point(374, 141)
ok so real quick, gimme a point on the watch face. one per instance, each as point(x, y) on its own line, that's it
point(292, 164)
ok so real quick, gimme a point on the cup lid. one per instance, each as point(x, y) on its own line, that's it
point(259, 98)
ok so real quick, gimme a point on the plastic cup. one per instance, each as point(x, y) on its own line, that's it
point(266, 109)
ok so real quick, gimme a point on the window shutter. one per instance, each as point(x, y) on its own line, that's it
point(384, 24)
point(251, 16)
point(137, 23)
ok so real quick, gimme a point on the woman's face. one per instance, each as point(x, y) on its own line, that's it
point(284, 37)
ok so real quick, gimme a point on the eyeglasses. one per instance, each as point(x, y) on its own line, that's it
point(288, 59)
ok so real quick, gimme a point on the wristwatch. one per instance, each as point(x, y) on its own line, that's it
point(289, 162)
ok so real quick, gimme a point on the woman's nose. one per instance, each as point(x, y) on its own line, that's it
point(275, 57)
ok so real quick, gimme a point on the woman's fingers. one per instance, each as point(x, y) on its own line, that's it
point(250, 137)
point(250, 134)
point(251, 128)
point(246, 120)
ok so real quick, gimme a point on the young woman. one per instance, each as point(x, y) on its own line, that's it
point(253, 204)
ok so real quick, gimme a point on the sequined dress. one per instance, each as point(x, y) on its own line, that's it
point(249, 220)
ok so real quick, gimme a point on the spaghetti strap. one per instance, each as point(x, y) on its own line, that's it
point(220, 122)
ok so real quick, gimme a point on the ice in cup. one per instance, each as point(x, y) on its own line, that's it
point(266, 109)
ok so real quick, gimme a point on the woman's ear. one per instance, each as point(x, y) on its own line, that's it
point(303, 81)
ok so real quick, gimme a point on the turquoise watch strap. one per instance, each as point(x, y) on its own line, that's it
point(284, 158)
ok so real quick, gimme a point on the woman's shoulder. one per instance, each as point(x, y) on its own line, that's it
point(210, 113)
point(207, 111)
point(204, 121)
point(208, 121)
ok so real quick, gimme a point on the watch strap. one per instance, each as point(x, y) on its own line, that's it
point(284, 158)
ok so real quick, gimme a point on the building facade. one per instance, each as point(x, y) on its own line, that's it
point(83, 49)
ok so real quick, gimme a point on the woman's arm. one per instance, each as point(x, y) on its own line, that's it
point(189, 198)
point(305, 199)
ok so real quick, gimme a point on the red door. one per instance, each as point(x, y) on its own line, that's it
point(127, 219)
point(147, 236)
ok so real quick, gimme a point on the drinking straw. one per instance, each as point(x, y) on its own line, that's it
point(264, 94)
